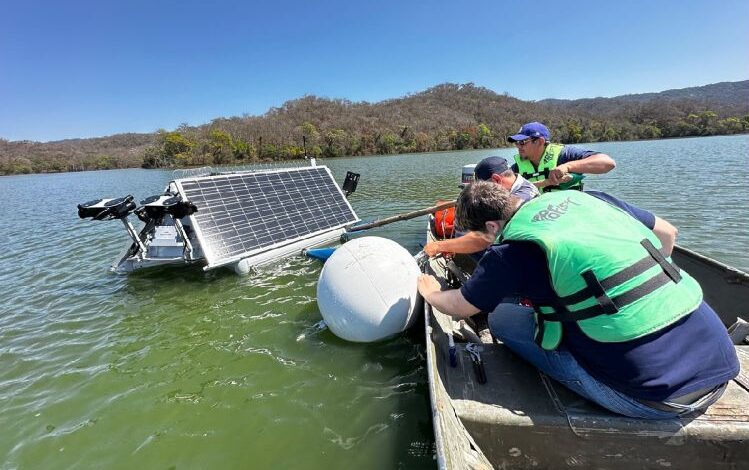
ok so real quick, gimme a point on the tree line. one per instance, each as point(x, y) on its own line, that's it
point(117, 151)
point(445, 117)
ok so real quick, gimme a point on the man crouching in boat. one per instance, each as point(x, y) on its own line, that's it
point(614, 320)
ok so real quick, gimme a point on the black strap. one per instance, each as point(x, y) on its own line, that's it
point(620, 300)
point(599, 292)
point(534, 174)
point(667, 267)
point(614, 280)
point(559, 188)
point(655, 257)
point(597, 289)
point(541, 318)
point(541, 322)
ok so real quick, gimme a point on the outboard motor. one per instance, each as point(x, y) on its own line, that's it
point(466, 176)
point(106, 209)
point(154, 207)
point(178, 208)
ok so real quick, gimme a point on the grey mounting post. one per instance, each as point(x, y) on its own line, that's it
point(134, 235)
point(188, 246)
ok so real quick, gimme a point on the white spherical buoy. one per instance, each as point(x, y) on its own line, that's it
point(367, 290)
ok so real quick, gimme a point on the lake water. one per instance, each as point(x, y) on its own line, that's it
point(187, 369)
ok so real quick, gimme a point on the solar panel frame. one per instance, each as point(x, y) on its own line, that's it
point(236, 208)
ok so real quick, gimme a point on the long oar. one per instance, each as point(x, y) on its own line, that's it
point(324, 253)
point(399, 217)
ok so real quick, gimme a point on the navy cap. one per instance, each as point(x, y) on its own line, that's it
point(532, 129)
point(489, 166)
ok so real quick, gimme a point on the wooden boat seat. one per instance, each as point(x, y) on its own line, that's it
point(532, 421)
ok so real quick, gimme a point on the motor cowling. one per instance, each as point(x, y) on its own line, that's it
point(155, 207)
point(178, 208)
point(467, 175)
point(106, 209)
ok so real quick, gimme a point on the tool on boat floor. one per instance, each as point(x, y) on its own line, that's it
point(478, 364)
point(452, 351)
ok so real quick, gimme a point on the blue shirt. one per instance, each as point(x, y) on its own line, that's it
point(568, 154)
point(523, 189)
point(692, 354)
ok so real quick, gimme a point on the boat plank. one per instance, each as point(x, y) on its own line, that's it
point(513, 416)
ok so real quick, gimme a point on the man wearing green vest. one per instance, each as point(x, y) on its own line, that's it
point(554, 166)
point(613, 319)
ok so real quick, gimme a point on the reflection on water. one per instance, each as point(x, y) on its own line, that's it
point(186, 368)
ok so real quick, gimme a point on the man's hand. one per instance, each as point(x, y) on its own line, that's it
point(449, 301)
point(666, 233)
point(432, 249)
point(559, 175)
point(428, 285)
point(471, 242)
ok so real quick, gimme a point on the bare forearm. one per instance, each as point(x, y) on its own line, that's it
point(666, 233)
point(471, 242)
point(551, 181)
point(451, 302)
point(595, 164)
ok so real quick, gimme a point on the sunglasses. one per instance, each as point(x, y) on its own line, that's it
point(521, 143)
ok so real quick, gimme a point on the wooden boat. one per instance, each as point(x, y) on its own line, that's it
point(520, 418)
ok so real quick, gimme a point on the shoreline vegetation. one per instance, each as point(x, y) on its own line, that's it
point(446, 117)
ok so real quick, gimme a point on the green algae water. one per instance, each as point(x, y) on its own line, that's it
point(181, 368)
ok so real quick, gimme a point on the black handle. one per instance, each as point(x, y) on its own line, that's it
point(478, 368)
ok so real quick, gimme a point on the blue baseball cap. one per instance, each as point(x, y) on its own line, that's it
point(489, 166)
point(530, 130)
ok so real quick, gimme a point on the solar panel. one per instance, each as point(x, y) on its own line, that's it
point(248, 213)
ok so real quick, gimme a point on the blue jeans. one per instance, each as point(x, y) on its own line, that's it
point(515, 326)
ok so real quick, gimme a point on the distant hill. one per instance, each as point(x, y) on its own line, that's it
point(115, 151)
point(731, 97)
point(444, 117)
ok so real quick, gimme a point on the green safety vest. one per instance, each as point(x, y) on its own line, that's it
point(607, 270)
point(547, 163)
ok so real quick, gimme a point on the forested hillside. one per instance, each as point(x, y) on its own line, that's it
point(445, 117)
point(117, 151)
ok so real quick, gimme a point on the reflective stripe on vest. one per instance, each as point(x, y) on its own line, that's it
point(606, 269)
point(548, 162)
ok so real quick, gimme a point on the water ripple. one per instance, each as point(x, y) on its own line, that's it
point(185, 368)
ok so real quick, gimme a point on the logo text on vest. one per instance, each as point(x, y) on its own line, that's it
point(553, 212)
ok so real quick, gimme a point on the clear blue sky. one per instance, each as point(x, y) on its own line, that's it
point(92, 68)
